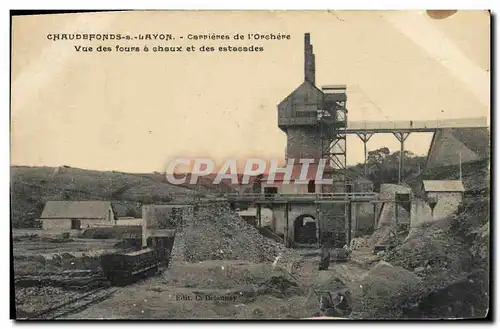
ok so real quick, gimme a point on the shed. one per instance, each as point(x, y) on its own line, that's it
point(74, 215)
point(440, 186)
point(447, 195)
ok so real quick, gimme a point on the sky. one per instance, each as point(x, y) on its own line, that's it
point(134, 112)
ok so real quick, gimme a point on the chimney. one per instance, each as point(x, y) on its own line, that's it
point(309, 60)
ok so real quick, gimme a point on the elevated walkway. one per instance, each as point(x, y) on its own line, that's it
point(302, 198)
point(356, 127)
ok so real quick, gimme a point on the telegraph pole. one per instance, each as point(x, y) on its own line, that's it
point(460, 164)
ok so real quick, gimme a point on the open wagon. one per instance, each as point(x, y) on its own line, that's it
point(122, 268)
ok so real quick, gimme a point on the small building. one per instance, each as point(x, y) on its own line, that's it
point(443, 196)
point(76, 215)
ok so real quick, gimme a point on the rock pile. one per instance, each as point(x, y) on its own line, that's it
point(383, 292)
point(359, 242)
point(218, 233)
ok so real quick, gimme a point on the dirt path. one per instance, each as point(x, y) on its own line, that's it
point(223, 289)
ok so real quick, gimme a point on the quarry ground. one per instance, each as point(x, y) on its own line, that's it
point(226, 289)
point(206, 289)
point(248, 290)
point(439, 270)
point(35, 251)
point(46, 248)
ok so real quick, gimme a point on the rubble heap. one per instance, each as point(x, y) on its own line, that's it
point(383, 292)
point(218, 233)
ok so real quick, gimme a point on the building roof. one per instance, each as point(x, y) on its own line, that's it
point(303, 88)
point(443, 186)
point(76, 209)
point(334, 87)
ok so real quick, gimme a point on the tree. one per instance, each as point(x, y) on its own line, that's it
point(383, 166)
point(377, 156)
point(66, 195)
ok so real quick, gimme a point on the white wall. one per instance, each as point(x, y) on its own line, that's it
point(447, 204)
point(363, 216)
point(129, 222)
point(62, 224)
point(388, 213)
point(56, 224)
point(88, 223)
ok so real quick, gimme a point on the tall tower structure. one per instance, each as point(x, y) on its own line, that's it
point(314, 120)
point(297, 114)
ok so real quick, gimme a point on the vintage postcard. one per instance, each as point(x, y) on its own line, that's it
point(250, 164)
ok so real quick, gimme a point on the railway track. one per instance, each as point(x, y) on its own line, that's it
point(75, 305)
point(118, 269)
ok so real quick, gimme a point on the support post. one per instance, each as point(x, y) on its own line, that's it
point(396, 205)
point(366, 156)
point(319, 222)
point(365, 137)
point(354, 215)
point(460, 164)
point(286, 237)
point(349, 223)
point(259, 217)
point(401, 136)
point(352, 218)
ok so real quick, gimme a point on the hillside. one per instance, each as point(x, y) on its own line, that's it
point(452, 256)
point(475, 175)
point(31, 187)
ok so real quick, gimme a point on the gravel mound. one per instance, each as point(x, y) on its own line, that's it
point(218, 233)
point(383, 292)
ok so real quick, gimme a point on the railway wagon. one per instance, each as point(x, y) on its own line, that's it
point(122, 268)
